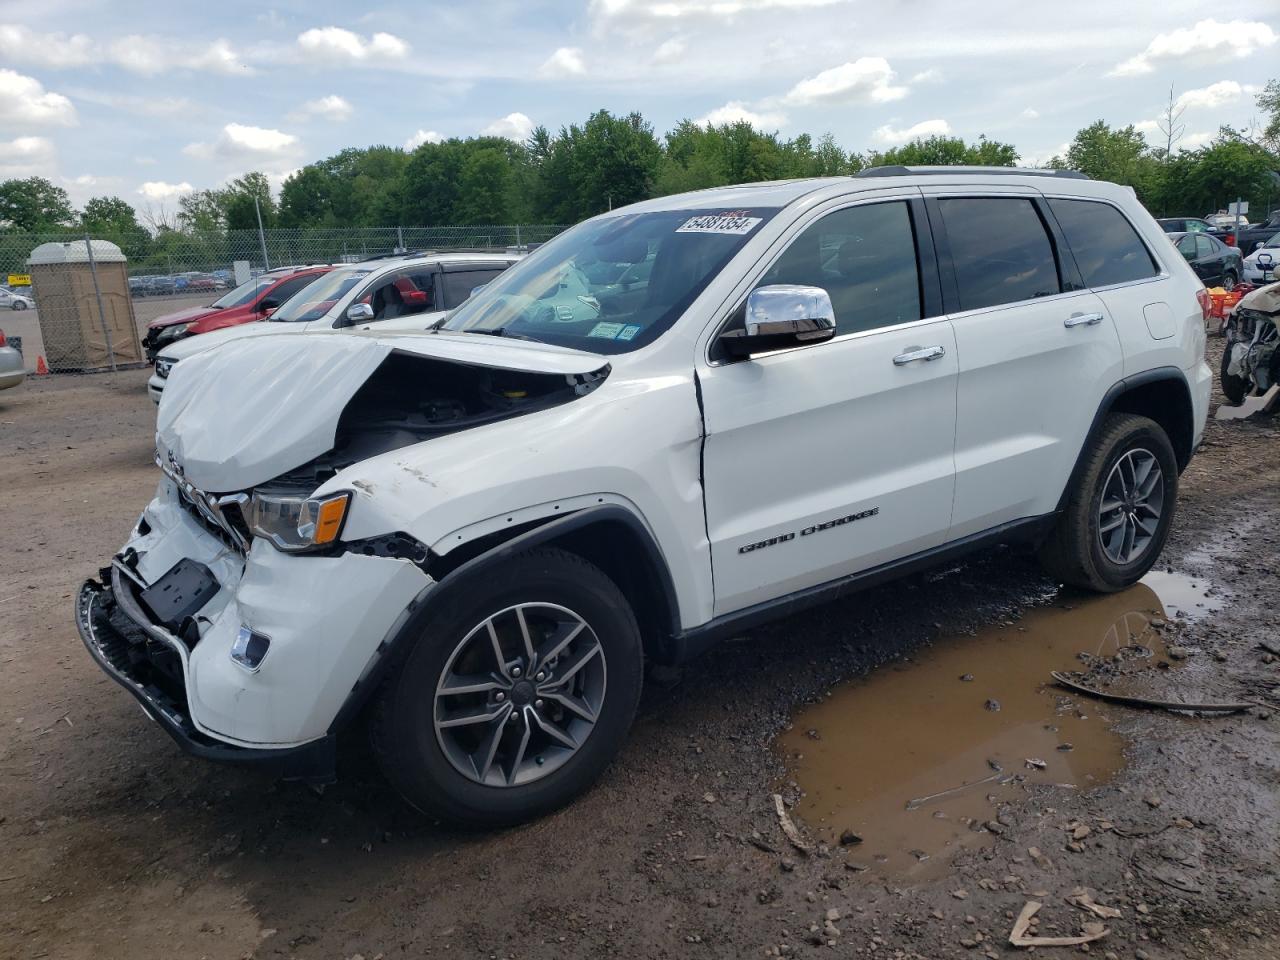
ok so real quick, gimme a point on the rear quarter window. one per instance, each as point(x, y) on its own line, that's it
point(1106, 247)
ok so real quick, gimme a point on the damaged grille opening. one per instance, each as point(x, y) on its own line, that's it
point(409, 399)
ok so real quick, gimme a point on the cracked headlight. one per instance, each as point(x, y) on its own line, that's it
point(296, 524)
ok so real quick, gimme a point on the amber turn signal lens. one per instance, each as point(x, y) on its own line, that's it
point(329, 519)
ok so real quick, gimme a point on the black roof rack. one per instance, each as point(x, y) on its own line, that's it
point(897, 170)
point(397, 256)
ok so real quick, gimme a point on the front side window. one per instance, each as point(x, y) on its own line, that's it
point(1106, 247)
point(402, 294)
point(1000, 250)
point(612, 284)
point(865, 258)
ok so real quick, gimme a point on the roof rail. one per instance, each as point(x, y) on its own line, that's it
point(397, 256)
point(897, 170)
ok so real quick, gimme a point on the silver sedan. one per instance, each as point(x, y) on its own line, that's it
point(12, 371)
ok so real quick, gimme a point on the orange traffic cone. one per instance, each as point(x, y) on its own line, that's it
point(42, 368)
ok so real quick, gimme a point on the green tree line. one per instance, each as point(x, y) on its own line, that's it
point(612, 160)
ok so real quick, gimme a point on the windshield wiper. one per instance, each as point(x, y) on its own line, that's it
point(503, 332)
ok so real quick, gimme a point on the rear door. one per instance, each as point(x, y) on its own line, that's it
point(828, 459)
point(1211, 259)
point(1037, 352)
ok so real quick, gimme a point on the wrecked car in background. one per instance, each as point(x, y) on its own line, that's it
point(403, 293)
point(1251, 357)
point(768, 395)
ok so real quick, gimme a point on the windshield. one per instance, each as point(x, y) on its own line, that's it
point(610, 285)
point(316, 299)
point(244, 293)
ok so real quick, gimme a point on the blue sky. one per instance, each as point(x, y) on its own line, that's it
point(148, 100)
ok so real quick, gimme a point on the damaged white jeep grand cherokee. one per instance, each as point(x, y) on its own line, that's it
point(672, 422)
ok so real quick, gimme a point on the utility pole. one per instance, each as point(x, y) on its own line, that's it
point(262, 237)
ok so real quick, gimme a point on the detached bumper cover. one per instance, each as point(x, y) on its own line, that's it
point(118, 637)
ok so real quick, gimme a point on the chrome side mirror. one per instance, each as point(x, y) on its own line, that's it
point(782, 316)
point(359, 313)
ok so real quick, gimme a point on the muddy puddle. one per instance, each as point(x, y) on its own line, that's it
point(916, 758)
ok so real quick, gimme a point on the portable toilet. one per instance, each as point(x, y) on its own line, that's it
point(86, 327)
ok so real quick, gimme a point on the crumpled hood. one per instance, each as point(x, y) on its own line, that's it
point(257, 407)
point(181, 316)
point(1264, 299)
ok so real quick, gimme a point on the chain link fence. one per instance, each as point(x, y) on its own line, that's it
point(70, 321)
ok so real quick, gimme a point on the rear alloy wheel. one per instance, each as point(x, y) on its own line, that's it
point(1229, 281)
point(19, 305)
point(1119, 508)
point(516, 696)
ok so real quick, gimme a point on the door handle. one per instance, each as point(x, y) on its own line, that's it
point(918, 353)
point(1082, 320)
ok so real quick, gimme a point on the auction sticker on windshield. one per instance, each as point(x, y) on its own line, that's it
point(731, 221)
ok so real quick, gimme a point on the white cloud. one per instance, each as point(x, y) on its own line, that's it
point(925, 128)
point(26, 156)
point(865, 80)
point(514, 126)
point(1209, 41)
point(1031, 113)
point(1215, 95)
point(565, 62)
point(670, 51)
point(160, 191)
point(932, 75)
point(152, 55)
point(334, 44)
point(147, 55)
point(1146, 127)
point(55, 50)
point(238, 140)
point(735, 111)
point(421, 137)
point(24, 100)
point(333, 108)
point(658, 11)
point(1194, 141)
point(143, 160)
point(144, 106)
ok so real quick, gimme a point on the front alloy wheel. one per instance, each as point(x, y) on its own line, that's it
point(520, 694)
point(518, 688)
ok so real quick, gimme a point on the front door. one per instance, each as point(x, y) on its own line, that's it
point(830, 459)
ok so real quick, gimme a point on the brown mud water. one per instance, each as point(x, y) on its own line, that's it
point(910, 764)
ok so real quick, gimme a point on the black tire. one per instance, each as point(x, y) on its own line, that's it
point(403, 727)
point(1234, 388)
point(1073, 552)
point(1229, 280)
point(19, 305)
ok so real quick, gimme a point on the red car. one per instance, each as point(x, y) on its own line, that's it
point(248, 302)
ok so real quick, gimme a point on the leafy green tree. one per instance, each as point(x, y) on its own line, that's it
point(34, 204)
point(484, 187)
point(1269, 103)
point(113, 219)
point(238, 198)
point(202, 212)
point(307, 199)
point(615, 162)
point(943, 151)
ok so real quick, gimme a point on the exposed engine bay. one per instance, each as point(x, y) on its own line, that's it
point(1254, 339)
point(409, 399)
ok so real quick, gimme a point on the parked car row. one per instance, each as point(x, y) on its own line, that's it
point(1244, 236)
point(189, 282)
point(397, 294)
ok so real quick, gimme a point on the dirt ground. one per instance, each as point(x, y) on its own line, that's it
point(113, 844)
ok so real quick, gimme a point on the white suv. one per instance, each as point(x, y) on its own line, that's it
point(401, 293)
point(670, 423)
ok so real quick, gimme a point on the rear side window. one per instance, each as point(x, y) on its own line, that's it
point(459, 284)
point(865, 258)
point(1106, 247)
point(1204, 246)
point(1000, 250)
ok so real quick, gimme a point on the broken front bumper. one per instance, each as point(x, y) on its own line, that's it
point(326, 617)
